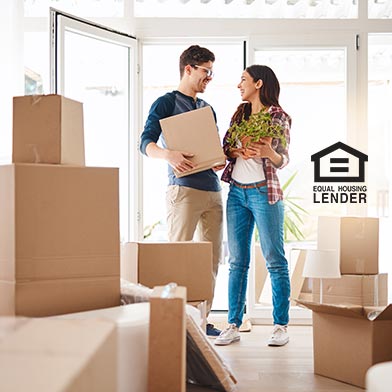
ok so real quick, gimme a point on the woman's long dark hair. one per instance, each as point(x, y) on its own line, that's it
point(269, 91)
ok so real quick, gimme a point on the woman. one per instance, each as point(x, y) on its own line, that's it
point(256, 197)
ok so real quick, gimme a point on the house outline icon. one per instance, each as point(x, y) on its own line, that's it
point(352, 151)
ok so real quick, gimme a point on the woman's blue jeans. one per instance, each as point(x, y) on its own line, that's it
point(245, 207)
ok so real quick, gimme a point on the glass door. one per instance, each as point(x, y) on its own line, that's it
point(97, 66)
point(317, 79)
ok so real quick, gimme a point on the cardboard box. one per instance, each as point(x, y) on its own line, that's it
point(58, 222)
point(42, 355)
point(132, 324)
point(364, 290)
point(187, 263)
point(355, 238)
point(195, 132)
point(59, 225)
point(48, 129)
point(167, 340)
point(58, 296)
point(348, 340)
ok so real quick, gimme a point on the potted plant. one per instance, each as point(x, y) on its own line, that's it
point(258, 126)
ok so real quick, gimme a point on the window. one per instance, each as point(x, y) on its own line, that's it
point(315, 91)
point(380, 141)
point(379, 125)
point(157, 80)
point(380, 9)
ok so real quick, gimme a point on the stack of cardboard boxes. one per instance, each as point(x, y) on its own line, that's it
point(352, 328)
point(59, 220)
point(60, 255)
point(357, 242)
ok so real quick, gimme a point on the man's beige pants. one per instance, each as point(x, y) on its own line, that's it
point(192, 211)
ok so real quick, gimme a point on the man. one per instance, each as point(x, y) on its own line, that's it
point(194, 202)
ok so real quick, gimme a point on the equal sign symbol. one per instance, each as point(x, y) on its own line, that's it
point(339, 169)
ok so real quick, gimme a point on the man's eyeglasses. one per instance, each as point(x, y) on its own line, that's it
point(209, 72)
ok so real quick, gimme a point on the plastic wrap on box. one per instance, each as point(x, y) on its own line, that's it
point(132, 293)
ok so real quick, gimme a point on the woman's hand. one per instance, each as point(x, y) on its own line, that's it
point(261, 149)
point(236, 153)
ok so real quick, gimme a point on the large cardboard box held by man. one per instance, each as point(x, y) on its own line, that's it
point(48, 355)
point(153, 264)
point(348, 340)
point(59, 228)
point(194, 132)
point(356, 239)
point(48, 129)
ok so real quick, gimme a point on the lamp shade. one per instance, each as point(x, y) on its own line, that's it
point(321, 264)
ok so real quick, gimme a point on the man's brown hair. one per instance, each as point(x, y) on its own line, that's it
point(195, 55)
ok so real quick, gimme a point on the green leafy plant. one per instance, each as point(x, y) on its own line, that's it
point(258, 126)
point(147, 231)
point(293, 214)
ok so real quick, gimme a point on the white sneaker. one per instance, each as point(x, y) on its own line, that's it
point(227, 336)
point(279, 336)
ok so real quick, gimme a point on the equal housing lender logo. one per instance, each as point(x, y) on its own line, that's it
point(339, 163)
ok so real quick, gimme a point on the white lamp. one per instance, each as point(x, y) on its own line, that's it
point(321, 264)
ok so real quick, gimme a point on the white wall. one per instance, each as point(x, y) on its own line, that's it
point(11, 69)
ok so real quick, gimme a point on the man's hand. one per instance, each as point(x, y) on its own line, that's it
point(178, 160)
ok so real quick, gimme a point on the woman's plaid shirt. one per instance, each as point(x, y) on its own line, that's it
point(275, 193)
